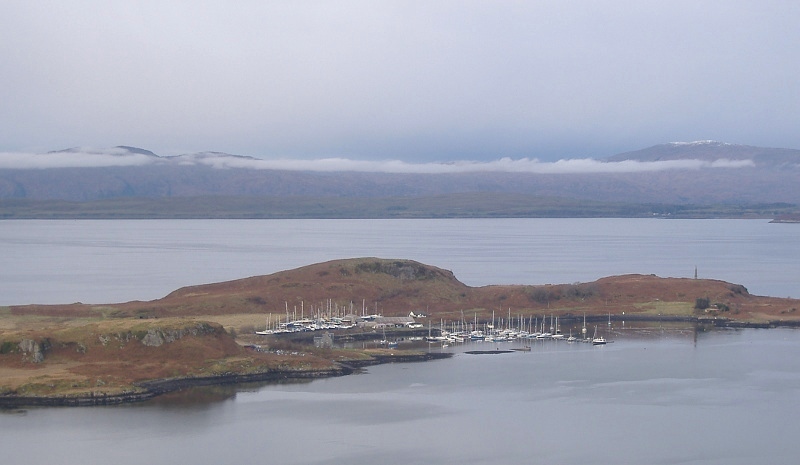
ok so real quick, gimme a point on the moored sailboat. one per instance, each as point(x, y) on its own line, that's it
point(597, 340)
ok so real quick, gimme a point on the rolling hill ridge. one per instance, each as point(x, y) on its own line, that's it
point(665, 179)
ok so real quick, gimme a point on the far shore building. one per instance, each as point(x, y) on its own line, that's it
point(390, 322)
point(325, 341)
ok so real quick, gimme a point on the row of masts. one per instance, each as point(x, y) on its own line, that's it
point(508, 329)
point(328, 309)
point(331, 315)
point(519, 323)
point(519, 326)
point(326, 315)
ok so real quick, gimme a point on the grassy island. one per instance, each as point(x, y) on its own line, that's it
point(80, 354)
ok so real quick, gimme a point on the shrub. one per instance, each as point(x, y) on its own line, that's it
point(8, 347)
point(702, 303)
point(738, 289)
point(579, 291)
point(542, 296)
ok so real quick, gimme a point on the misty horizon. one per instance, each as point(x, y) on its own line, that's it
point(422, 82)
point(120, 156)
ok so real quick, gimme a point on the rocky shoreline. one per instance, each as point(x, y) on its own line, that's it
point(150, 389)
point(147, 390)
point(73, 349)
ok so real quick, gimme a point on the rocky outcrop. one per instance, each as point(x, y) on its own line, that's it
point(158, 336)
point(405, 270)
point(155, 337)
point(33, 351)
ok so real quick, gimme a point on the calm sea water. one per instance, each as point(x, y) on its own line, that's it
point(665, 397)
point(115, 261)
point(656, 395)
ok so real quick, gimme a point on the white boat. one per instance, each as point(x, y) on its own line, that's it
point(583, 330)
point(477, 335)
point(384, 341)
point(557, 334)
point(598, 340)
point(267, 330)
point(544, 334)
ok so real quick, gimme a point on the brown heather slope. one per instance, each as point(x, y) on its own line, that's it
point(113, 358)
point(202, 331)
point(397, 287)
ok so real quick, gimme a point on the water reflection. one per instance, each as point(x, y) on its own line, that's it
point(626, 333)
point(200, 396)
point(659, 393)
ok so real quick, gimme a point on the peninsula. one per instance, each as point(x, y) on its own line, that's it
point(80, 354)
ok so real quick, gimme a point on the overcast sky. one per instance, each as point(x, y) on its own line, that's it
point(414, 81)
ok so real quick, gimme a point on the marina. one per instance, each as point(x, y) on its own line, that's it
point(722, 396)
point(408, 330)
point(659, 391)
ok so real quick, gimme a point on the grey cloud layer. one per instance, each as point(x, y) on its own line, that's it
point(85, 159)
point(415, 81)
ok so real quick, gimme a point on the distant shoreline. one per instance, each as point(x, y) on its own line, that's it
point(465, 205)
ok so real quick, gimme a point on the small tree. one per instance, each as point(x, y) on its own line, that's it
point(701, 303)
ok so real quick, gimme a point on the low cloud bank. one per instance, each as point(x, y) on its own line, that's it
point(87, 159)
point(121, 158)
point(506, 165)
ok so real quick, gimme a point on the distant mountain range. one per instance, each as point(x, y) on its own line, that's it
point(669, 178)
point(710, 150)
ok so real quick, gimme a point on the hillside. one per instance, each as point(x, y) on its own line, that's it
point(704, 179)
point(87, 354)
point(774, 158)
point(397, 287)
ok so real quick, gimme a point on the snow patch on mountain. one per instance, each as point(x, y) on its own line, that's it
point(700, 143)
